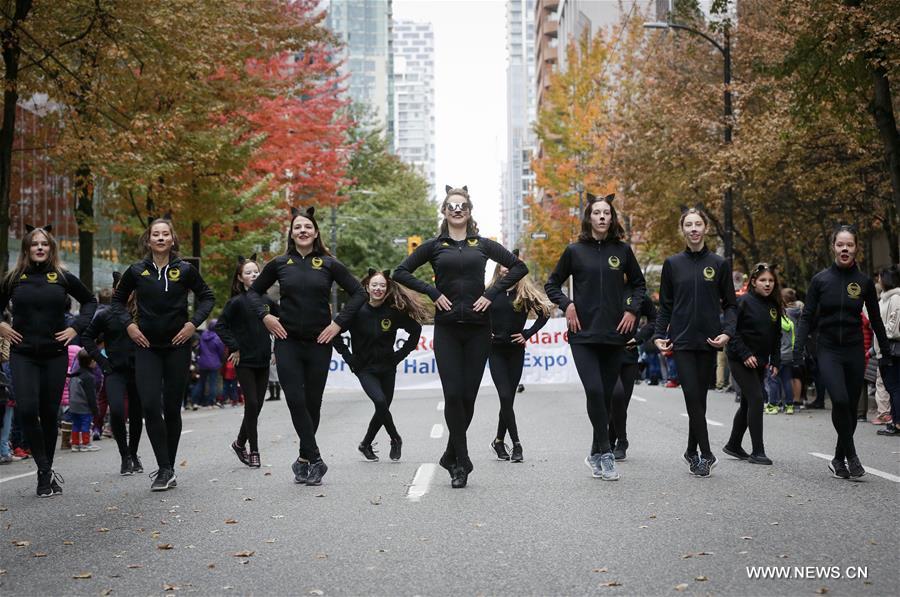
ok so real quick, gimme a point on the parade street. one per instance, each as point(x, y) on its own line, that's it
point(541, 527)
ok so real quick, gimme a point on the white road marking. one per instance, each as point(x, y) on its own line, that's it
point(708, 421)
point(869, 470)
point(14, 477)
point(441, 405)
point(186, 431)
point(639, 399)
point(421, 481)
point(437, 431)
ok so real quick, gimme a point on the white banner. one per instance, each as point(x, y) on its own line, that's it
point(547, 360)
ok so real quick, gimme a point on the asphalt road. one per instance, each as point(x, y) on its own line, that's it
point(543, 527)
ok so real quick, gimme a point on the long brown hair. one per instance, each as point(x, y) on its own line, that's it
point(616, 231)
point(463, 191)
point(24, 260)
point(398, 296)
point(144, 241)
point(528, 294)
point(237, 287)
point(309, 214)
point(775, 297)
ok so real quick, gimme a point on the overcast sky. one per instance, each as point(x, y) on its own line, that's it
point(470, 97)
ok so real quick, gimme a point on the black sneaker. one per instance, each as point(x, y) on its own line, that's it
point(396, 445)
point(855, 467)
point(736, 452)
point(760, 458)
point(711, 460)
point(163, 480)
point(125, 470)
point(520, 389)
point(301, 471)
point(889, 430)
point(253, 460)
point(459, 478)
point(692, 461)
point(517, 453)
point(317, 470)
point(43, 486)
point(55, 480)
point(240, 452)
point(838, 469)
point(703, 467)
point(367, 452)
point(136, 465)
point(499, 449)
point(619, 450)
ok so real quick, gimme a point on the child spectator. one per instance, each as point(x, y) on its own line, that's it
point(83, 403)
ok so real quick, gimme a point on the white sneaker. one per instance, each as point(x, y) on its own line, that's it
point(90, 448)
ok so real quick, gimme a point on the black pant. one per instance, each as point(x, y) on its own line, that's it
point(694, 369)
point(164, 375)
point(303, 370)
point(253, 381)
point(842, 372)
point(461, 351)
point(621, 398)
point(120, 383)
point(750, 412)
point(38, 385)
point(598, 367)
point(506, 362)
point(379, 387)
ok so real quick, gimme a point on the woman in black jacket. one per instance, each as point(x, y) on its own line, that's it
point(755, 347)
point(304, 329)
point(834, 304)
point(509, 313)
point(119, 379)
point(462, 331)
point(695, 288)
point(250, 347)
point(609, 290)
point(162, 331)
point(38, 287)
point(373, 334)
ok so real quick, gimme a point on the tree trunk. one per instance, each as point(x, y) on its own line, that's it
point(84, 218)
point(882, 110)
point(195, 238)
point(11, 53)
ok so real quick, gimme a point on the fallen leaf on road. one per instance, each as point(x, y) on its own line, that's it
point(135, 566)
point(248, 499)
point(704, 553)
point(747, 538)
point(211, 566)
point(214, 531)
point(170, 587)
point(112, 508)
point(2, 572)
point(320, 495)
point(317, 592)
point(155, 534)
point(243, 554)
point(39, 554)
point(643, 526)
point(740, 553)
point(652, 516)
point(821, 590)
point(103, 530)
point(21, 543)
point(321, 556)
point(245, 561)
point(612, 583)
point(230, 521)
point(227, 588)
point(381, 550)
point(783, 556)
point(604, 569)
point(267, 474)
point(681, 586)
point(774, 524)
point(278, 516)
point(375, 501)
point(164, 546)
point(270, 540)
point(68, 543)
point(701, 578)
point(3, 509)
point(873, 542)
point(82, 575)
point(183, 463)
point(687, 556)
point(106, 592)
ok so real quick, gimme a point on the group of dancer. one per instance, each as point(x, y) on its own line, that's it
point(146, 335)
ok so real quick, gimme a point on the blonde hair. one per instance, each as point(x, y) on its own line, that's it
point(528, 294)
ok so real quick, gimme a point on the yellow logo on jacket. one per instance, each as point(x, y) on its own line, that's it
point(472, 242)
point(386, 325)
point(174, 274)
point(290, 261)
point(317, 262)
point(854, 290)
point(773, 313)
point(145, 273)
point(23, 277)
point(614, 262)
point(52, 277)
point(709, 273)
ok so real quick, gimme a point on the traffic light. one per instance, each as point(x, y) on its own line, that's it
point(412, 243)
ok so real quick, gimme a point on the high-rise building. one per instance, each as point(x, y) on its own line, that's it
point(414, 132)
point(364, 27)
point(520, 115)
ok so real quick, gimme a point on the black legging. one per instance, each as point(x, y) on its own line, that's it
point(750, 412)
point(598, 367)
point(303, 370)
point(39, 383)
point(621, 398)
point(506, 362)
point(694, 369)
point(253, 381)
point(119, 383)
point(164, 376)
point(842, 372)
point(461, 351)
point(379, 387)
point(274, 390)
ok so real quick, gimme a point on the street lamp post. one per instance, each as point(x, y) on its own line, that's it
point(725, 49)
